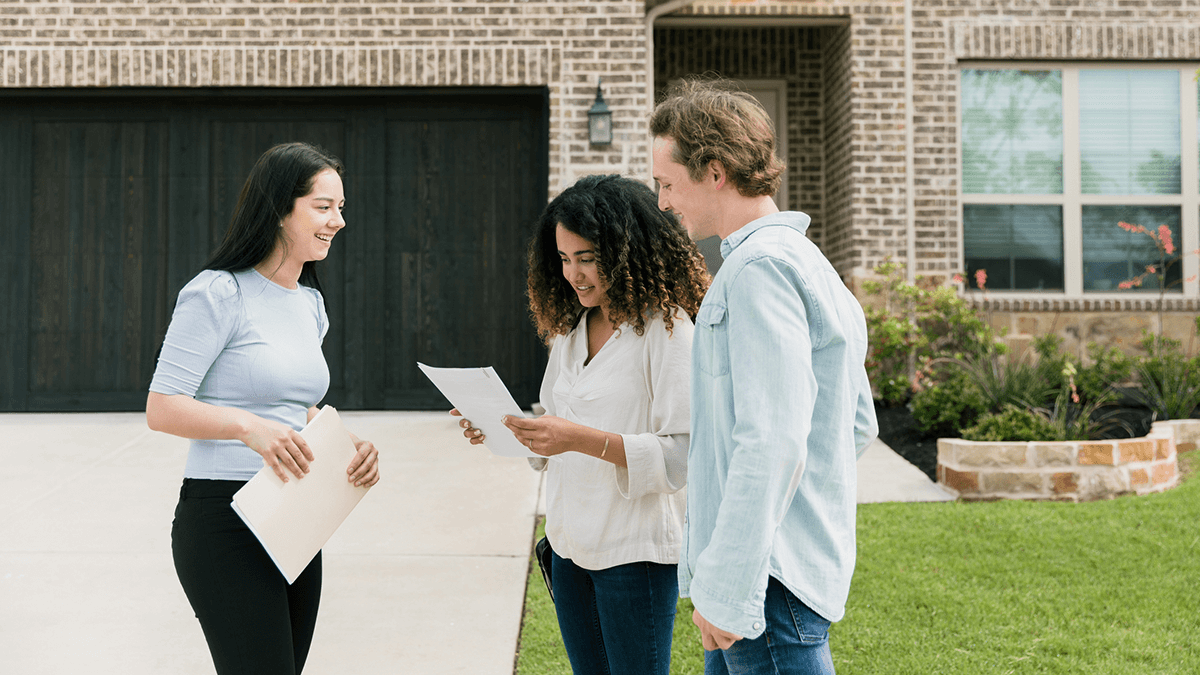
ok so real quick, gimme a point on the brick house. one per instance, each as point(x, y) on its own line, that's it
point(952, 136)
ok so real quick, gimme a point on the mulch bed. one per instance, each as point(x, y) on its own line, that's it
point(900, 433)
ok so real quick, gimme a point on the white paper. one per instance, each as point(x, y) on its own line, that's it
point(293, 520)
point(481, 397)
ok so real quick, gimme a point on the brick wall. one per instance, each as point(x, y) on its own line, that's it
point(864, 140)
point(837, 241)
point(561, 44)
point(566, 44)
point(789, 54)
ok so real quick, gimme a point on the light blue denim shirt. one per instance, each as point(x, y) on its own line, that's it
point(781, 410)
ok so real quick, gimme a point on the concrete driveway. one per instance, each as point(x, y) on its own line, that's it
point(426, 576)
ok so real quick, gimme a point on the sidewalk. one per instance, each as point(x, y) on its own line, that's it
point(426, 577)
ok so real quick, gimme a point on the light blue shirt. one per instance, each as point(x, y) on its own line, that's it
point(239, 340)
point(781, 410)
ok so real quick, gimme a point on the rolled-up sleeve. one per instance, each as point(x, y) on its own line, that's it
point(201, 326)
point(656, 461)
point(771, 331)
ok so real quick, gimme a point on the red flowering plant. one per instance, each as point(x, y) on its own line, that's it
point(1168, 381)
point(1168, 255)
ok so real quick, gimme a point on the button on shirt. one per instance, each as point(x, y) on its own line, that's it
point(781, 409)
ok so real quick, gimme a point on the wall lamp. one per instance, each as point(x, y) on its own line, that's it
point(600, 129)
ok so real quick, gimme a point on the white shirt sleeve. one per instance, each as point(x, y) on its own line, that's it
point(657, 460)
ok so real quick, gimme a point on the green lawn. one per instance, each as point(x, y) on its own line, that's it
point(999, 587)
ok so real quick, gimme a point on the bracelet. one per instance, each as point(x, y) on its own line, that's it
point(605, 445)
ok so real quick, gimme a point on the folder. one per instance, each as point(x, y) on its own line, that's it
point(293, 520)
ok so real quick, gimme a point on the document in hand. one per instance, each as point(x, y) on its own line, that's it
point(293, 520)
point(482, 398)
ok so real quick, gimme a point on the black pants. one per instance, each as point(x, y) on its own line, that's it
point(253, 620)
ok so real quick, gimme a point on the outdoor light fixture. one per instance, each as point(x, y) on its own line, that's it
point(600, 130)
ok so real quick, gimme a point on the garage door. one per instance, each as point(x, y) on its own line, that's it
point(115, 201)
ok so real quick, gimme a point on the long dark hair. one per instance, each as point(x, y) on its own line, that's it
point(281, 176)
point(649, 261)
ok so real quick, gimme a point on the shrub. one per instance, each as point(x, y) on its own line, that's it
point(1013, 424)
point(1053, 365)
point(943, 408)
point(1109, 368)
point(1078, 420)
point(1006, 381)
point(1168, 382)
point(916, 325)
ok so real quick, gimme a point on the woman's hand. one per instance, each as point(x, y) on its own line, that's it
point(364, 468)
point(548, 435)
point(470, 432)
point(281, 447)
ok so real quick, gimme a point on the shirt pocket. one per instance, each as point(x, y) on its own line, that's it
point(712, 340)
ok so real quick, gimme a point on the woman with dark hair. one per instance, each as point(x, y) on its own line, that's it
point(240, 373)
point(614, 284)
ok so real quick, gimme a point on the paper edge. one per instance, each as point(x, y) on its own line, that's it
point(250, 526)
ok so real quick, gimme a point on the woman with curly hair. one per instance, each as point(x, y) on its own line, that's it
point(614, 284)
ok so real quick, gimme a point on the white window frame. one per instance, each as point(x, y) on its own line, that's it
point(1072, 200)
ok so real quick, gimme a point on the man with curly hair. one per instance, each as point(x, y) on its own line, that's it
point(781, 404)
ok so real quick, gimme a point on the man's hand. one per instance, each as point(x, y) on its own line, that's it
point(712, 637)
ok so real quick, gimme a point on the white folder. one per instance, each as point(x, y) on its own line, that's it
point(293, 520)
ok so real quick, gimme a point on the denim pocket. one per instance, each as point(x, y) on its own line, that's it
point(811, 628)
point(712, 339)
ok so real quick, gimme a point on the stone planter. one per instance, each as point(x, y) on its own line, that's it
point(1066, 470)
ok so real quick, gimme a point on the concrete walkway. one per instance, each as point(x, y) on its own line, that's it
point(427, 576)
point(884, 476)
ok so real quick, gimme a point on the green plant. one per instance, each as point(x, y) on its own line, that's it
point(942, 408)
point(893, 335)
point(1168, 382)
point(1109, 368)
point(911, 324)
point(1013, 423)
point(1053, 365)
point(1006, 381)
point(1078, 420)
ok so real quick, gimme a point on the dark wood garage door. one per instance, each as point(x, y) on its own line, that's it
point(115, 201)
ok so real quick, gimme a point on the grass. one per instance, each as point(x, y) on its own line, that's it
point(999, 587)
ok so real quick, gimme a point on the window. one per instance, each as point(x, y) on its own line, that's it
point(1055, 157)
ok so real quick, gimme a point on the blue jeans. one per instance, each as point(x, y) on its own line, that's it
point(796, 642)
point(616, 621)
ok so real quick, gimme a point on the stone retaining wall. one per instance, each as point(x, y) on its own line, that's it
point(1066, 470)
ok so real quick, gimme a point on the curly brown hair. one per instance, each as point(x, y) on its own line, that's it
point(650, 263)
point(712, 120)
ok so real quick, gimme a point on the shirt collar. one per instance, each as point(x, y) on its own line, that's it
point(793, 219)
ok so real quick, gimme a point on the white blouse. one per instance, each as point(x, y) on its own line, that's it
point(600, 515)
